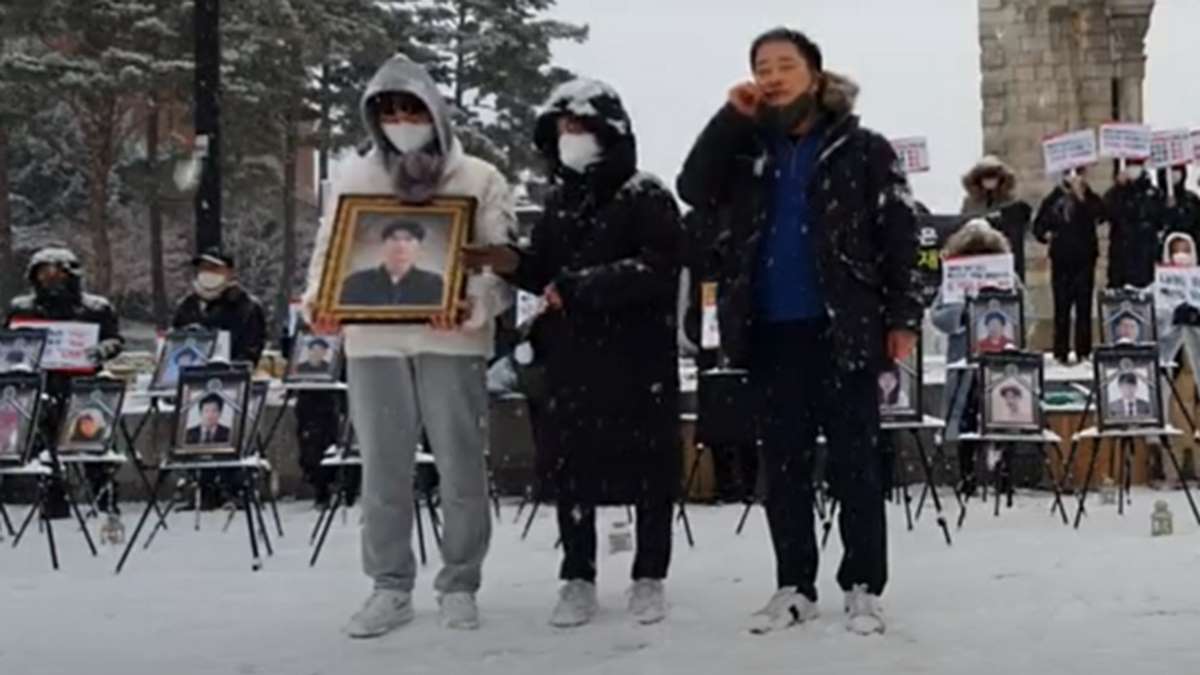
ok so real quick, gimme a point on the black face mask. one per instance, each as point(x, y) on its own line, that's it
point(56, 290)
point(784, 119)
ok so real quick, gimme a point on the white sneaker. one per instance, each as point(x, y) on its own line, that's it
point(576, 604)
point(648, 601)
point(787, 608)
point(383, 612)
point(864, 612)
point(459, 611)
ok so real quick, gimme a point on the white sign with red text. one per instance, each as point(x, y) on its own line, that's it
point(68, 343)
point(1125, 141)
point(965, 276)
point(913, 153)
point(1066, 152)
point(1171, 147)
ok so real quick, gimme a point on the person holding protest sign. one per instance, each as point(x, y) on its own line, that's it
point(818, 294)
point(991, 193)
point(1182, 206)
point(1135, 211)
point(1067, 221)
point(56, 294)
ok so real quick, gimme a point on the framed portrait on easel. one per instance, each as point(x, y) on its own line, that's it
point(900, 390)
point(211, 413)
point(187, 348)
point(20, 401)
point(390, 262)
point(1011, 393)
point(995, 323)
point(92, 416)
point(1128, 390)
point(1127, 317)
point(22, 349)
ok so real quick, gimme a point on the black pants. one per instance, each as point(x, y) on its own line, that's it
point(318, 426)
point(577, 527)
point(1073, 285)
point(801, 392)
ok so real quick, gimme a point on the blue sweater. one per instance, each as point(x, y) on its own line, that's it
point(788, 287)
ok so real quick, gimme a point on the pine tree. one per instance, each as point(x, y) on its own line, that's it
point(494, 57)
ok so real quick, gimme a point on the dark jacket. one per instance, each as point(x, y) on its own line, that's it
point(609, 241)
point(235, 311)
point(1000, 207)
point(860, 200)
point(374, 287)
point(222, 434)
point(1073, 224)
point(1184, 216)
point(1135, 212)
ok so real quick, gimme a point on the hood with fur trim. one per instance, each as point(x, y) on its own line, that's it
point(976, 237)
point(839, 94)
point(972, 181)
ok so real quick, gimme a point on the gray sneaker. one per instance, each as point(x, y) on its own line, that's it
point(576, 604)
point(864, 612)
point(459, 611)
point(648, 601)
point(385, 611)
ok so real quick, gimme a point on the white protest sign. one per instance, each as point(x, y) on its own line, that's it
point(68, 343)
point(1196, 146)
point(965, 276)
point(710, 327)
point(1175, 286)
point(913, 153)
point(1069, 151)
point(1125, 141)
point(1171, 147)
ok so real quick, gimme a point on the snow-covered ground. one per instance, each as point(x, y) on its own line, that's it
point(1018, 594)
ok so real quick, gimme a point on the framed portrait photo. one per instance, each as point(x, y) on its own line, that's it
point(187, 348)
point(20, 396)
point(995, 323)
point(22, 349)
point(1011, 393)
point(211, 412)
point(390, 262)
point(1127, 317)
point(316, 359)
point(900, 390)
point(1128, 387)
point(92, 415)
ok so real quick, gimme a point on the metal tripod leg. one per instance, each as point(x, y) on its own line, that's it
point(1087, 482)
point(1187, 490)
point(150, 506)
point(529, 523)
point(255, 559)
point(931, 486)
point(328, 522)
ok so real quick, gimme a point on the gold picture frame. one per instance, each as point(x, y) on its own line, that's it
point(383, 252)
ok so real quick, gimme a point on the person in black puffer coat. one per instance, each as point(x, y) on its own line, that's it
point(818, 293)
point(606, 257)
point(1136, 214)
point(57, 293)
point(1067, 221)
point(218, 302)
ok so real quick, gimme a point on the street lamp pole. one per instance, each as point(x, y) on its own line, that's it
point(206, 27)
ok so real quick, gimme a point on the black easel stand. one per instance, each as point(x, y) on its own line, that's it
point(1005, 443)
point(44, 476)
point(150, 418)
point(915, 430)
point(246, 494)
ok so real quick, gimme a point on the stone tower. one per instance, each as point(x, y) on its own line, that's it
point(1051, 66)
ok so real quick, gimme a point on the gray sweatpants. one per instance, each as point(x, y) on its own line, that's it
point(391, 400)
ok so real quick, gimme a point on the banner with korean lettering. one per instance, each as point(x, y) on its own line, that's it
point(1171, 147)
point(1069, 151)
point(965, 276)
point(1175, 286)
point(69, 344)
point(913, 153)
point(1125, 141)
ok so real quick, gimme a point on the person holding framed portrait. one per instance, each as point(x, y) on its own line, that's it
point(57, 294)
point(430, 373)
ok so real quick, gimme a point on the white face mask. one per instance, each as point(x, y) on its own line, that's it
point(991, 183)
point(1134, 172)
point(210, 281)
point(407, 137)
point(1183, 259)
point(578, 151)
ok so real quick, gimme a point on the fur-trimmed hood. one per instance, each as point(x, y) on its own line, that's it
point(976, 237)
point(839, 95)
point(972, 181)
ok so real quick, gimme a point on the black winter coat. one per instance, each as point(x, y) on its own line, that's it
point(609, 241)
point(235, 311)
point(1135, 212)
point(1185, 215)
point(868, 243)
point(1073, 224)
